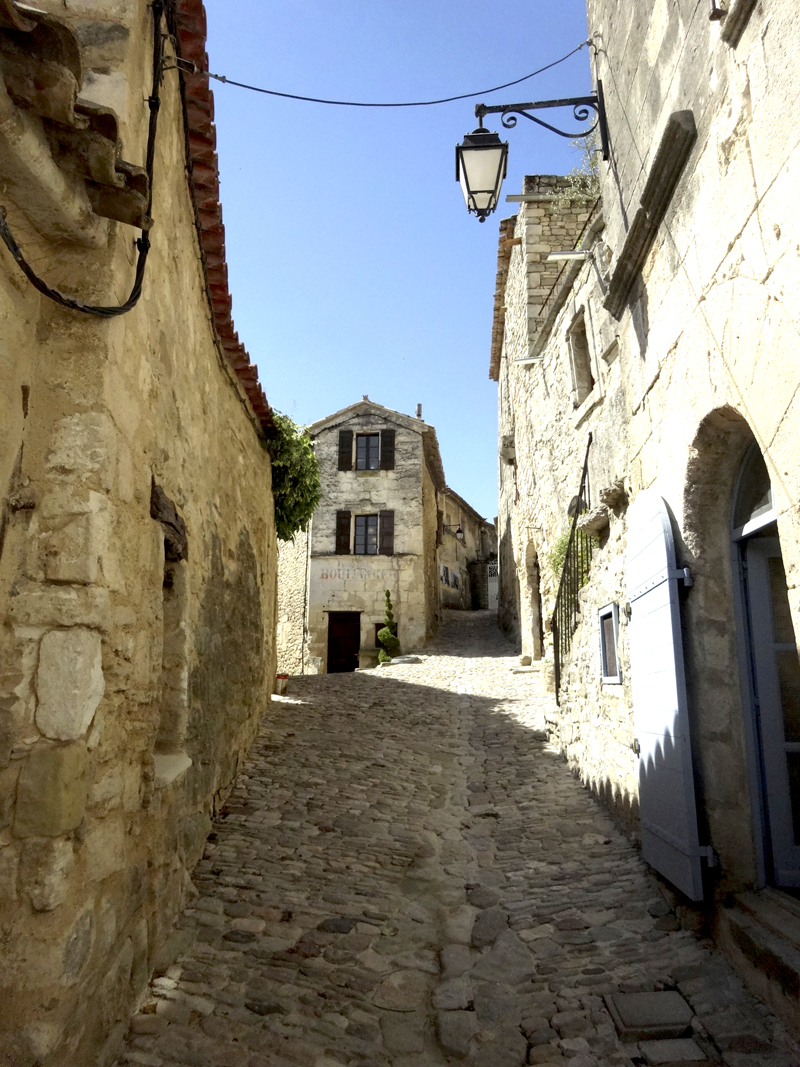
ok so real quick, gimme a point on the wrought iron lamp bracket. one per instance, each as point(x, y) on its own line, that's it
point(582, 108)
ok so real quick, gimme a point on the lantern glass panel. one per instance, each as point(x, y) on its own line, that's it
point(480, 175)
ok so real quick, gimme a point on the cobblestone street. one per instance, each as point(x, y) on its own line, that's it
point(407, 875)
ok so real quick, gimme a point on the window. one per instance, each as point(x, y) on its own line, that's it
point(444, 577)
point(609, 660)
point(454, 579)
point(580, 361)
point(368, 452)
point(373, 451)
point(366, 542)
point(373, 534)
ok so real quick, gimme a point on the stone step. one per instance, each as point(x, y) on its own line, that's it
point(775, 911)
point(766, 949)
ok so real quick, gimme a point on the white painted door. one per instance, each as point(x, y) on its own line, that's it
point(661, 723)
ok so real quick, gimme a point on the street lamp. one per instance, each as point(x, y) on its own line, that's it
point(482, 158)
point(481, 165)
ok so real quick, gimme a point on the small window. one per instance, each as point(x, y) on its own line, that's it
point(580, 361)
point(445, 576)
point(609, 659)
point(368, 451)
point(454, 579)
point(366, 540)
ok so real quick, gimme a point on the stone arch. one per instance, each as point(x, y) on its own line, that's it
point(717, 710)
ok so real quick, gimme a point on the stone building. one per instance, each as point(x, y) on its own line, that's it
point(383, 495)
point(661, 365)
point(374, 529)
point(467, 542)
point(137, 544)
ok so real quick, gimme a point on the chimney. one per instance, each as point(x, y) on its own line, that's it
point(419, 411)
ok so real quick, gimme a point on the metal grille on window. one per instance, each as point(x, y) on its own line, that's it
point(368, 448)
point(366, 541)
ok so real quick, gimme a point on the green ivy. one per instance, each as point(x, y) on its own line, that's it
point(558, 554)
point(295, 476)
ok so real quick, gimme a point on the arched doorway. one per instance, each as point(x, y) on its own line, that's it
point(770, 668)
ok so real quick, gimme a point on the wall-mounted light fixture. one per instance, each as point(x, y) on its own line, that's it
point(458, 530)
point(482, 158)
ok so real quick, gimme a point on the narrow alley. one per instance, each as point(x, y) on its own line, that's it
point(407, 875)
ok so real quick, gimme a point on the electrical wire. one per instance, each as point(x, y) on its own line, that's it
point(188, 67)
point(143, 242)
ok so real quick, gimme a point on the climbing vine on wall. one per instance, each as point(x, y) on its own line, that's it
point(295, 476)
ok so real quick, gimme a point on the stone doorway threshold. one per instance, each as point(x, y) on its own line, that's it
point(760, 935)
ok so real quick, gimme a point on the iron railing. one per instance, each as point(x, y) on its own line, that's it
point(573, 577)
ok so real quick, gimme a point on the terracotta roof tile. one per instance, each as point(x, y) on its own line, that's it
point(201, 140)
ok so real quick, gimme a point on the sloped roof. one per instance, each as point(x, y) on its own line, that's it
point(368, 407)
point(463, 504)
point(188, 24)
point(430, 442)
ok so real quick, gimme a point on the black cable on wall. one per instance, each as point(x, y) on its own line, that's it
point(143, 242)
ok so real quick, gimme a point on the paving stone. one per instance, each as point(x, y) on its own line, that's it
point(640, 1016)
point(456, 1030)
point(673, 1051)
point(402, 1035)
point(488, 925)
point(369, 873)
point(507, 961)
point(401, 991)
point(455, 960)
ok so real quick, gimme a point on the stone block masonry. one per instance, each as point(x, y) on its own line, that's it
point(136, 645)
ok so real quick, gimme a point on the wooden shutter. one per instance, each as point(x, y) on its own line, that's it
point(342, 533)
point(387, 450)
point(667, 804)
point(345, 450)
point(387, 533)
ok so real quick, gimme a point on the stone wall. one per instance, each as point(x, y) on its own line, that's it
point(135, 663)
point(292, 591)
point(692, 367)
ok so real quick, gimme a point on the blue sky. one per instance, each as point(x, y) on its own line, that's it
point(353, 263)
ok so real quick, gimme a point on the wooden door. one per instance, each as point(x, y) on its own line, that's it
point(776, 677)
point(344, 641)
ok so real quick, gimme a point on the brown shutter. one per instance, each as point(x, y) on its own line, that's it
point(387, 450)
point(343, 531)
point(387, 533)
point(345, 451)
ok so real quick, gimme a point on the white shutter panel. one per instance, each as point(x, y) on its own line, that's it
point(661, 723)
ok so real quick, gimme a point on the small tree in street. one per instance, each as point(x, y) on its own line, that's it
point(388, 635)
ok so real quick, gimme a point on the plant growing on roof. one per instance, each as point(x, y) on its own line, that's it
point(583, 181)
point(388, 635)
point(295, 476)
